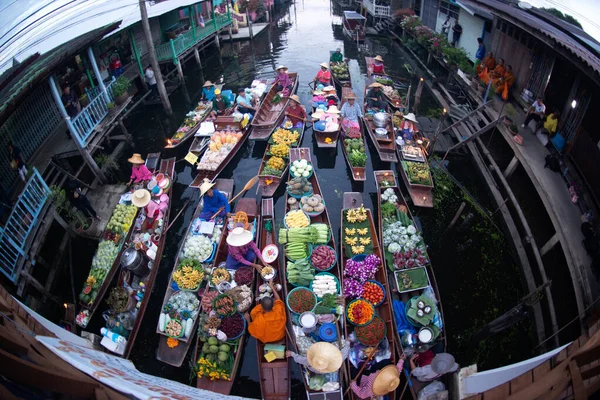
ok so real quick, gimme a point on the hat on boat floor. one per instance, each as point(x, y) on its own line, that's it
point(141, 198)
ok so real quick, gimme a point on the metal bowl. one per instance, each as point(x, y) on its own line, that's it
point(381, 132)
point(380, 119)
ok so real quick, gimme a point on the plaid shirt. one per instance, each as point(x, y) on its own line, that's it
point(365, 390)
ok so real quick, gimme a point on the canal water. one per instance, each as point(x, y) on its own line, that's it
point(301, 39)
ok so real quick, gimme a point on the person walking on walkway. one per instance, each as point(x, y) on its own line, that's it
point(80, 201)
point(151, 80)
point(480, 54)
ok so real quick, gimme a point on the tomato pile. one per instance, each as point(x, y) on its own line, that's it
point(372, 292)
point(360, 312)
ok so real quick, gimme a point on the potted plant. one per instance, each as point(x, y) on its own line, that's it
point(110, 105)
point(509, 115)
point(83, 100)
point(65, 210)
point(80, 222)
point(514, 129)
point(120, 88)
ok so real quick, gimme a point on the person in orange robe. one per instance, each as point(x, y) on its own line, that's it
point(488, 62)
point(508, 78)
point(267, 320)
point(498, 72)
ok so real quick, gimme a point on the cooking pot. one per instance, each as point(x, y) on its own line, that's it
point(380, 119)
point(135, 261)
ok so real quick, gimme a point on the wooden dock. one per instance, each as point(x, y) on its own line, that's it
point(244, 33)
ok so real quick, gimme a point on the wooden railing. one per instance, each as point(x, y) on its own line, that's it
point(375, 10)
point(90, 116)
point(24, 217)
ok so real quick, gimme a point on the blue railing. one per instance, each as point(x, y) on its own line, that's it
point(90, 116)
point(14, 236)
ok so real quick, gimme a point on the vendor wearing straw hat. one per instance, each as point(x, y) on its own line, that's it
point(379, 383)
point(375, 97)
point(377, 66)
point(322, 357)
point(282, 80)
point(408, 127)
point(323, 76)
point(208, 91)
point(295, 111)
point(213, 201)
point(351, 113)
point(241, 249)
point(139, 172)
point(441, 364)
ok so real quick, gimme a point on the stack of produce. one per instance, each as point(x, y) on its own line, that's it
point(390, 92)
point(372, 333)
point(301, 168)
point(313, 204)
point(189, 274)
point(296, 251)
point(360, 312)
point(356, 273)
point(178, 315)
point(340, 70)
point(198, 247)
point(301, 300)
point(296, 219)
point(280, 150)
point(221, 144)
point(285, 137)
point(298, 187)
point(324, 284)
point(121, 219)
point(219, 275)
point(355, 148)
point(418, 172)
point(322, 257)
point(224, 305)
point(300, 273)
point(216, 359)
point(274, 166)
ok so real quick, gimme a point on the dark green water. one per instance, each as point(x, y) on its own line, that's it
point(301, 39)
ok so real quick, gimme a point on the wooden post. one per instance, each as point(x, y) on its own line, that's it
point(553, 241)
point(249, 24)
point(512, 166)
point(197, 56)
point(162, 91)
point(138, 60)
point(230, 34)
point(217, 39)
point(128, 137)
point(179, 70)
point(456, 216)
point(418, 96)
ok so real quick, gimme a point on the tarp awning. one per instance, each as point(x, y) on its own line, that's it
point(352, 15)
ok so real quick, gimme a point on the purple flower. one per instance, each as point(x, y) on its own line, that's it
point(352, 288)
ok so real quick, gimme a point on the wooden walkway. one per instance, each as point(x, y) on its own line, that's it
point(244, 33)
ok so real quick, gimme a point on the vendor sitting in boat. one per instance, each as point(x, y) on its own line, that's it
point(375, 97)
point(208, 91)
point(327, 121)
point(377, 66)
point(379, 383)
point(408, 127)
point(323, 76)
point(220, 104)
point(266, 321)
point(241, 249)
point(282, 81)
point(139, 172)
point(426, 368)
point(351, 112)
point(296, 112)
point(214, 201)
point(246, 103)
point(322, 357)
point(337, 57)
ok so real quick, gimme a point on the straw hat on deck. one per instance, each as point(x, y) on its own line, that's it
point(208, 83)
point(324, 357)
point(239, 237)
point(136, 158)
point(378, 58)
point(206, 184)
point(386, 381)
point(141, 198)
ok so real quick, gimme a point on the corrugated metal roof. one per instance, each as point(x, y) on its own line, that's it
point(562, 38)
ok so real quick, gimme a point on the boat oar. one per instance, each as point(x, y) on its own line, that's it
point(247, 187)
point(406, 384)
point(177, 216)
point(369, 358)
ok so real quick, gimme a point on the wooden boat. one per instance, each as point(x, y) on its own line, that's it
point(386, 179)
point(358, 173)
point(385, 145)
point(193, 125)
point(275, 380)
point(228, 124)
point(270, 114)
point(248, 206)
point(395, 103)
point(385, 310)
point(175, 356)
point(152, 161)
point(167, 167)
point(199, 145)
point(297, 154)
point(341, 82)
point(354, 26)
point(268, 184)
point(420, 193)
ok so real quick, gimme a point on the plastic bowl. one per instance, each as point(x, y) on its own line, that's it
point(334, 261)
point(307, 177)
point(243, 329)
point(356, 301)
point(285, 223)
point(337, 283)
point(287, 299)
point(382, 288)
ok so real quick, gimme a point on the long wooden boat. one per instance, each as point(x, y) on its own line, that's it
point(327, 140)
point(270, 114)
point(297, 154)
point(167, 167)
point(384, 311)
point(248, 206)
point(358, 173)
point(192, 125)
point(268, 184)
point(386, 179)
point(175, 356)
point(341, 82)
point(275, 379)
point(385, 145)
point(420, 193)
point(395, 103)
point(352, 21)
point(199, 145)
point(221, 124)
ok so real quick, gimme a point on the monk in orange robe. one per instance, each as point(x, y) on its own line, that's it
point(508, 79)
point(488, 62)
point(498, 72)
point(267, 320)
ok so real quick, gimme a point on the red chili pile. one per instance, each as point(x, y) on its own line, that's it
point(232, 326)
point(244, 276)
point(372, 333)
point(301, 300)
point(372, 292)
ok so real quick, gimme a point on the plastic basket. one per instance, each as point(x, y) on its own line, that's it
point(220, 297)
point(285, 223)
point(384, 332)
point(337, 283)
point(212, 255)
point(299, 196)
point(243, 329)
point(182, 329)
point(382, 288)
point(356, 301)
point(312, 248)
point(316, 214)
point(287, 299)
point(307, 177)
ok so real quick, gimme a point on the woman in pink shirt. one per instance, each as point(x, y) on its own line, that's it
point(323, 76)
point(139, 172)
point(241, 249)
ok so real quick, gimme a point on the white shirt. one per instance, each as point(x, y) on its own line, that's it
point(539, 107)
point(150, 77)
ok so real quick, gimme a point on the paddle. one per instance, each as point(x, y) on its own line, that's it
point(247, 187)
point(177, 216)
point(369, 358)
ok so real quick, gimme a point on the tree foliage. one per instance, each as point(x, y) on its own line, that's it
point(565, 17)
